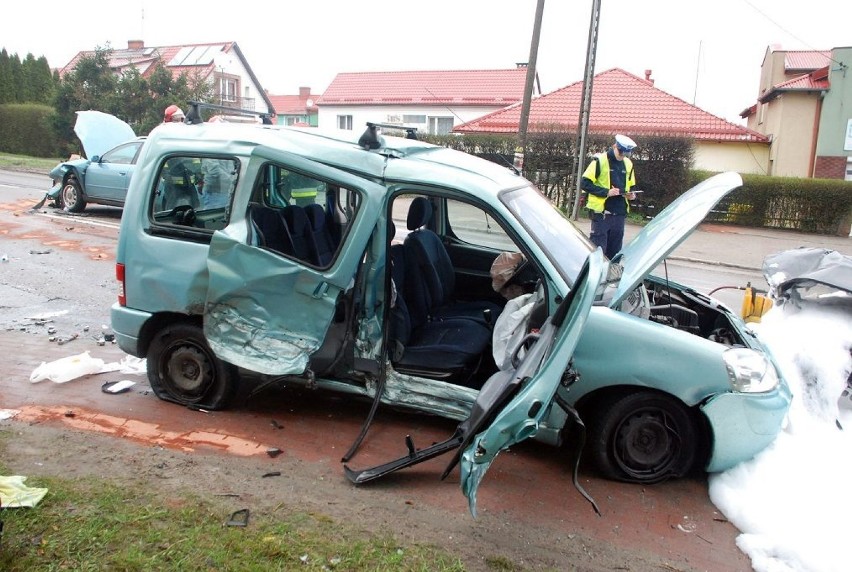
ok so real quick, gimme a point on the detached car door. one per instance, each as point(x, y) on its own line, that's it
point(271, 294)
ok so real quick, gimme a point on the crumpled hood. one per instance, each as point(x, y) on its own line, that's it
point(99, 132)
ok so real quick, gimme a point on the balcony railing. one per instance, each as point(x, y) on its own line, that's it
point(235, 102)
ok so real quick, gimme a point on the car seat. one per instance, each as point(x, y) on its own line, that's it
point(430, 276)
point(449, 349)
point(322, 240)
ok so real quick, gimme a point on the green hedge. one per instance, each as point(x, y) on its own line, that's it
point(26, 129)
point(822, 206)
point(661, 163)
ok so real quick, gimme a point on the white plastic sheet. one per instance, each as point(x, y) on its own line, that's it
point(67, 368)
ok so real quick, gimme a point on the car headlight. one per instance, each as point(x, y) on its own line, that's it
point(749, 371)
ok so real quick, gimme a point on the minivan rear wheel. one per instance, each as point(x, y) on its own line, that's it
point(183, 369)
point(642, 436)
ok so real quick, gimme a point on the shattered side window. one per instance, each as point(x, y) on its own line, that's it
point(195, 191)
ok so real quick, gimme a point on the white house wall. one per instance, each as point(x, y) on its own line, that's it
point(751, 158)
point(230, 64)
point(361, 114)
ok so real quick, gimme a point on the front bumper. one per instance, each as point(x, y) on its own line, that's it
point(744, 424)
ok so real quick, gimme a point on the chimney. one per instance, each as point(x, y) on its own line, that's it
point(648, 77)
point(304, 92)
point(135, 44)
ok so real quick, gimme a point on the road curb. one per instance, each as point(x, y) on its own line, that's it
point(715, 263)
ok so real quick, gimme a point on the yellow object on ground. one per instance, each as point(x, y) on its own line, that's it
point(14, 493)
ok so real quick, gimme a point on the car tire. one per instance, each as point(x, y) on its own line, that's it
point(71, 196)
point(183, 369)
point(641, 437)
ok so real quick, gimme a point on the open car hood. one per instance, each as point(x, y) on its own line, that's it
point(512, 404)
point(99, 132)
point(667, 230)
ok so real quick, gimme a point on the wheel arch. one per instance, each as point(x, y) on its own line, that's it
point(704, 432)
point(162, 320)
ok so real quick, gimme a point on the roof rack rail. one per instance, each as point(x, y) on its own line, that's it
point(194, 115)
point(370, 138)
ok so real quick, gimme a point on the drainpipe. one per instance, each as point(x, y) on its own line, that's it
point(815, 135)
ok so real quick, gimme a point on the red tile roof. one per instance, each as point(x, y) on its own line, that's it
point(621, 102)
point(459, 87)
point(192, 59)
point(801, 61)
point(294, 104)
point(143, 58)
point(817, 80)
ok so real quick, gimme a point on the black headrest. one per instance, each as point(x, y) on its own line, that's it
point(419, 213)
point(316, 215)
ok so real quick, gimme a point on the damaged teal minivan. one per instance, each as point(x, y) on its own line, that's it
point(432, 280)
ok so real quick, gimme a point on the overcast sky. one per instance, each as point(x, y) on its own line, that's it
point(707, 53)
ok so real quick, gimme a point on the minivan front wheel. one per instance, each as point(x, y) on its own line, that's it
point(71, 196)
point(643, 437)
point(182, 368)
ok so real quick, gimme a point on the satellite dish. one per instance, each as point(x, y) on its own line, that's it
point(310, 103)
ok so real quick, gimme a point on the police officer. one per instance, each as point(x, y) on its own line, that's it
point(608, 180)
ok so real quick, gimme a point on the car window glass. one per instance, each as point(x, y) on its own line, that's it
point(473, 225)
point(121, 155)
point(300, 216)
point(195, 192)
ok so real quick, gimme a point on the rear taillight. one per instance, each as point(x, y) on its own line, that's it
point(119, 275)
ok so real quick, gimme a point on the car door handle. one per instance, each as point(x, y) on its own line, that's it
point(320, 290)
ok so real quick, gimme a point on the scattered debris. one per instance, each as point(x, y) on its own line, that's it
point(70, 413)
point(71, 338)
point(8, 413)
point(48, 251)
point(275, 424)
point(239, 518)
point(14, 493)
point(4, 258)
point(273, 452)
point(121, 386)
point(67, 368)
point(271, 474)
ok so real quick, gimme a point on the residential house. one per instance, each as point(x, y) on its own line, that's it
point(300, 110)
point(431, 101)
point(804, 107)
point(222, 63)
point(625, 103)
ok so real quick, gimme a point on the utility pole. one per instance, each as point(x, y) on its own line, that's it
point(528, 87)
point(586, 104)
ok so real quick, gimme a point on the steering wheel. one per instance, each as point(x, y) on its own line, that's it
point(183, 214)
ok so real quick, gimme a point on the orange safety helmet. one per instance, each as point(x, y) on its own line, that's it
point(173, 113)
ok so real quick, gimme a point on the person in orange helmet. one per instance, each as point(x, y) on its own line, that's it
point(173, 114)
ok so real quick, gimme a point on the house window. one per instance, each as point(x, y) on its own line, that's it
point(344, 122)
point(440, 125)
point(409, 119)
point(228, 89)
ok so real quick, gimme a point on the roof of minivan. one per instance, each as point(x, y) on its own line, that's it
point(400, 159)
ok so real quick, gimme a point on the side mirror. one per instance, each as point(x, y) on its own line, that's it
point(96, 159)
